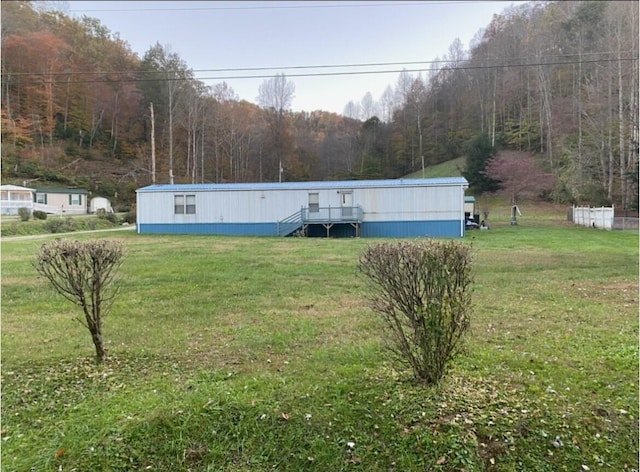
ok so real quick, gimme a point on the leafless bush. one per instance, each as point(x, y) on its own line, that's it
point(83, 272)
point(24, 213)
point(422, 290)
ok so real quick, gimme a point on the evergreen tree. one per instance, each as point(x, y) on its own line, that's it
point(479, 152)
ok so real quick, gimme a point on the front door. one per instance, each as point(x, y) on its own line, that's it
point(346, 202)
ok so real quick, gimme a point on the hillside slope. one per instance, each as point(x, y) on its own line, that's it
point(452, 168)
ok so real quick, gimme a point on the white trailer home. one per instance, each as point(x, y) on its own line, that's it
point(367, 208)
point(14, 197)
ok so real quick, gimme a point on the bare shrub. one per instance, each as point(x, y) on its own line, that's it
point(24, 213)
point(39, 215)
point(422, 290)
point(60, 225)
point(83, 272)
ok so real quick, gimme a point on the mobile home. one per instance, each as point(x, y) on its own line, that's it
point(367, 208)
point(14, 197)
point(65, 201)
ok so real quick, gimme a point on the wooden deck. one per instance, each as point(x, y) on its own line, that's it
point(327, 217)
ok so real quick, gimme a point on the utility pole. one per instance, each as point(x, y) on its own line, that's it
point(153, 145)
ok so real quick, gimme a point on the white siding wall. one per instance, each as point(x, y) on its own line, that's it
point(223, 206)
point(412, 203)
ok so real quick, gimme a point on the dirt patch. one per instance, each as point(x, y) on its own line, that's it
point(625, 290)
point(490, 450)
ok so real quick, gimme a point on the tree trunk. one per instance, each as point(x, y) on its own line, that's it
point(49, 123)
point(546, 109)
point(621, 117)
point(7, 100)
point(420, 139)
point(94, 127)
point(579, 104)
point(153, 145)
point(202, 154)
point(170, 131)
point(95, 328)
point(114, 125)
point(611, 165)
point(101, 353)
point(633, 138)
point(493, 112)
point(66, 104)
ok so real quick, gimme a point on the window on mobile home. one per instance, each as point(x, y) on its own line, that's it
point(184, 204)
point(178, 204)
point(191, 204)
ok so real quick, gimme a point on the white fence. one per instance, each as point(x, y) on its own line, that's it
point(594, 217)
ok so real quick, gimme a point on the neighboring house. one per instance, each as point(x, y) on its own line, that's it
point(367, 208)
point(100, 203)
point(65, 201)
point(13, 197)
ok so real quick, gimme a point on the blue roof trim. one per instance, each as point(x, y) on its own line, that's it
point(344, 184)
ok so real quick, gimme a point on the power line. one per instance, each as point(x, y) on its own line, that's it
point(397, 71)
point(328, 66)
point(322, 74)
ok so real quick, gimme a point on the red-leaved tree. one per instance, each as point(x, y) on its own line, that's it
point(519, 175)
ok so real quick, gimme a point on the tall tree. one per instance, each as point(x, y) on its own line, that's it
point(33, 62)
point(165, 78)
point(478, 154)
point(275, 96)
point(519, 176)
point(352, 110)
point(368, 106)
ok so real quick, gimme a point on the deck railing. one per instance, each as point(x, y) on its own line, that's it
point(343, 214)
point(319, 215)
point(290, 224)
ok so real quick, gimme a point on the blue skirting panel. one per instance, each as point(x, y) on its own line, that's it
point(231, 229)
point(412, 229)
point(383, 229)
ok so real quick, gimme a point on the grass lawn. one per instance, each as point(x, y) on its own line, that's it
point(238, 354)
point(452, 168)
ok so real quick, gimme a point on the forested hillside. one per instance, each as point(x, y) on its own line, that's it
point(558, 80)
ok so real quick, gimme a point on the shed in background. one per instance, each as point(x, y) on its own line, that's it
point(100, 203)
point(470, 210)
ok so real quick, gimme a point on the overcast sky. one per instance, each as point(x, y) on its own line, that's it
point(285, 37)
